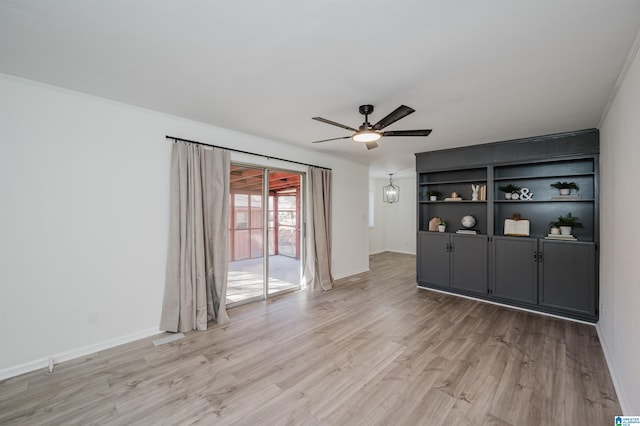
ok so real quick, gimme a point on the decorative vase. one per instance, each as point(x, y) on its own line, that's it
point(555, 231)
point(565, 230)
point(507, 195)
point(433, 198)
point(441, 228)
point(565, 191)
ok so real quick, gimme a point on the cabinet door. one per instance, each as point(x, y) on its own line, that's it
point(433, 263)
point(516, 269)
point(568, 271)
point(469, 263)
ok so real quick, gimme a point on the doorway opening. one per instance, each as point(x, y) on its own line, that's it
point(265, 242)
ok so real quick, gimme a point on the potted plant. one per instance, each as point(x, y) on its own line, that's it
point(566, 223)
point(565, 187)
point(509, 190)
point(433, 195)
point(442, 226)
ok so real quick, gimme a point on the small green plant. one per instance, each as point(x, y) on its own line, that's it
point(443, 223)
point(509, 189)
point(566, 185)
point(568, 220)
point(434, 193)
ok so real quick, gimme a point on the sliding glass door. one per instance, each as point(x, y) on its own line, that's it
point(265, 255)
point(284, 267)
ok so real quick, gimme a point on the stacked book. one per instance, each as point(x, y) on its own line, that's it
point(467, 231)
point(560, 237)
point(482, 193)
point(566, 197)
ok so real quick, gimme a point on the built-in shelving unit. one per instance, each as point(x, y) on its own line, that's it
point(537, 178)
point(448, 182)
point(522, 271)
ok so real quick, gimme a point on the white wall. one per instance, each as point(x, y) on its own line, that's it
point(377, 234)
point(395, 224)
point(620, 240)
point(84, 218)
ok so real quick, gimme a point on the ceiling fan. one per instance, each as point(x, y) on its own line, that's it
point(369, 134)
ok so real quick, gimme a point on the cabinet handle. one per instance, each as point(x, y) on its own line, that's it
point(535, 256)
point(540, 256)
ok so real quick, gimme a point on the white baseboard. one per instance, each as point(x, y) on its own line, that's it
point(76, 353)
point(351, 273)
point(403, 251)
point(392, 251)
point(624, 404)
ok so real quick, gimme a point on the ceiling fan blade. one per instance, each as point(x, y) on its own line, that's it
point(371, 145)
point(400, 112)
point(332, 139)
point(407, 133)
point(333, 123)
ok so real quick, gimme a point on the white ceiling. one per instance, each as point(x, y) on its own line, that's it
point(475, 71)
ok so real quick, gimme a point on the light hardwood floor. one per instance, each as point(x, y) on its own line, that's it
point(375, 350)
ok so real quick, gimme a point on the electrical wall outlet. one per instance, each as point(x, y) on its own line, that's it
point(93, 318)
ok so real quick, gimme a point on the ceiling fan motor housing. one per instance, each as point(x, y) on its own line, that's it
point(366, 109)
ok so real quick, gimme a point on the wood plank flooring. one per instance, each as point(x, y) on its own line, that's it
point(375, 350)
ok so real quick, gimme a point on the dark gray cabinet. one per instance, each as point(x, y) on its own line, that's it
point(469, 262)
point(433, 249)
point(568, 276)
point(558, 277)
point(516, 269)
point(452, 260)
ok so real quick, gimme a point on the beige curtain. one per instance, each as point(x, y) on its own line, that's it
point(196, 276)
point(318, 267)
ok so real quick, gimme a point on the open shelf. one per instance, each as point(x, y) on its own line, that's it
point(576, 200)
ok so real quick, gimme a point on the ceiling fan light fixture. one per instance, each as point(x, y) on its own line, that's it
point(366, 136)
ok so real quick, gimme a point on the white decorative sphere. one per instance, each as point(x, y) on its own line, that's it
point(468, 221)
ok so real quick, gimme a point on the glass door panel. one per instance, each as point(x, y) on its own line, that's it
point(284, 232)
point(246, 235)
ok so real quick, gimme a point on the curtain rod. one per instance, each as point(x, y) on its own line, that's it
point(244, 152)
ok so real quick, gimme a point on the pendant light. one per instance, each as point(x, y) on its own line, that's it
point(391, 192)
